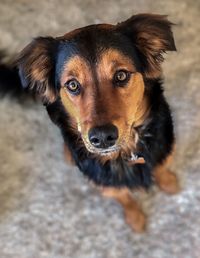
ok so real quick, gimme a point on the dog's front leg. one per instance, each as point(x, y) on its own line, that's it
point(134, 216)
point(165, 179)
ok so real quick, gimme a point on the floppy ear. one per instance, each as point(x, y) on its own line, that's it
point(36, 64)
point(152, 37)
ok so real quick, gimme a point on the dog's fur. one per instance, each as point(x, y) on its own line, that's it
point(93, 55)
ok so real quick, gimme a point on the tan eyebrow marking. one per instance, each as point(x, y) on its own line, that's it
point(112, 60)
point(76, 67)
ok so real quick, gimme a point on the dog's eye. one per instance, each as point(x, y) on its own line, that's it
point(121, 77)
point(73, 86)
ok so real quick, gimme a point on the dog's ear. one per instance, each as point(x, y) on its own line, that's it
point(36, 64)
point(152, 37)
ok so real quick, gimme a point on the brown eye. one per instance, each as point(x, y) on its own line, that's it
point(73, 86)
point(121, 77)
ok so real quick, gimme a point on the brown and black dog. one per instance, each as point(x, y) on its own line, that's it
point(102, 85)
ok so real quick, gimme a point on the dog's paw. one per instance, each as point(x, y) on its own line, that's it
point(169, 183)
point(136, 220)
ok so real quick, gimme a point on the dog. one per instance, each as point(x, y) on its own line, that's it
point(102, 86)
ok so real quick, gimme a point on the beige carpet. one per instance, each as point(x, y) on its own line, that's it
point(47, 209)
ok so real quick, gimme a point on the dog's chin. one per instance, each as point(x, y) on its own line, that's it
point(108, 152)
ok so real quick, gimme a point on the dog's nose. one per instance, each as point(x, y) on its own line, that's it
point(103, 136)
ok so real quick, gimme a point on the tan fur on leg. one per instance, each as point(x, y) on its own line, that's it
point(166, 180)
point(133, 213)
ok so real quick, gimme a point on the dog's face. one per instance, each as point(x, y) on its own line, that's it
point(99, 74)
point(101, 89)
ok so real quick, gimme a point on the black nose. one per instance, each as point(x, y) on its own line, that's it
point(103, 136)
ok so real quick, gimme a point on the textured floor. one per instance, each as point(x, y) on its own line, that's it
point(47, 209)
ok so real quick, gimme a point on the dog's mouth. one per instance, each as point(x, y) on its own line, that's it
point(103, 152)
point(108, 153)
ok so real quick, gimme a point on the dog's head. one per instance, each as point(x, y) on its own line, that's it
point(99, 74)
